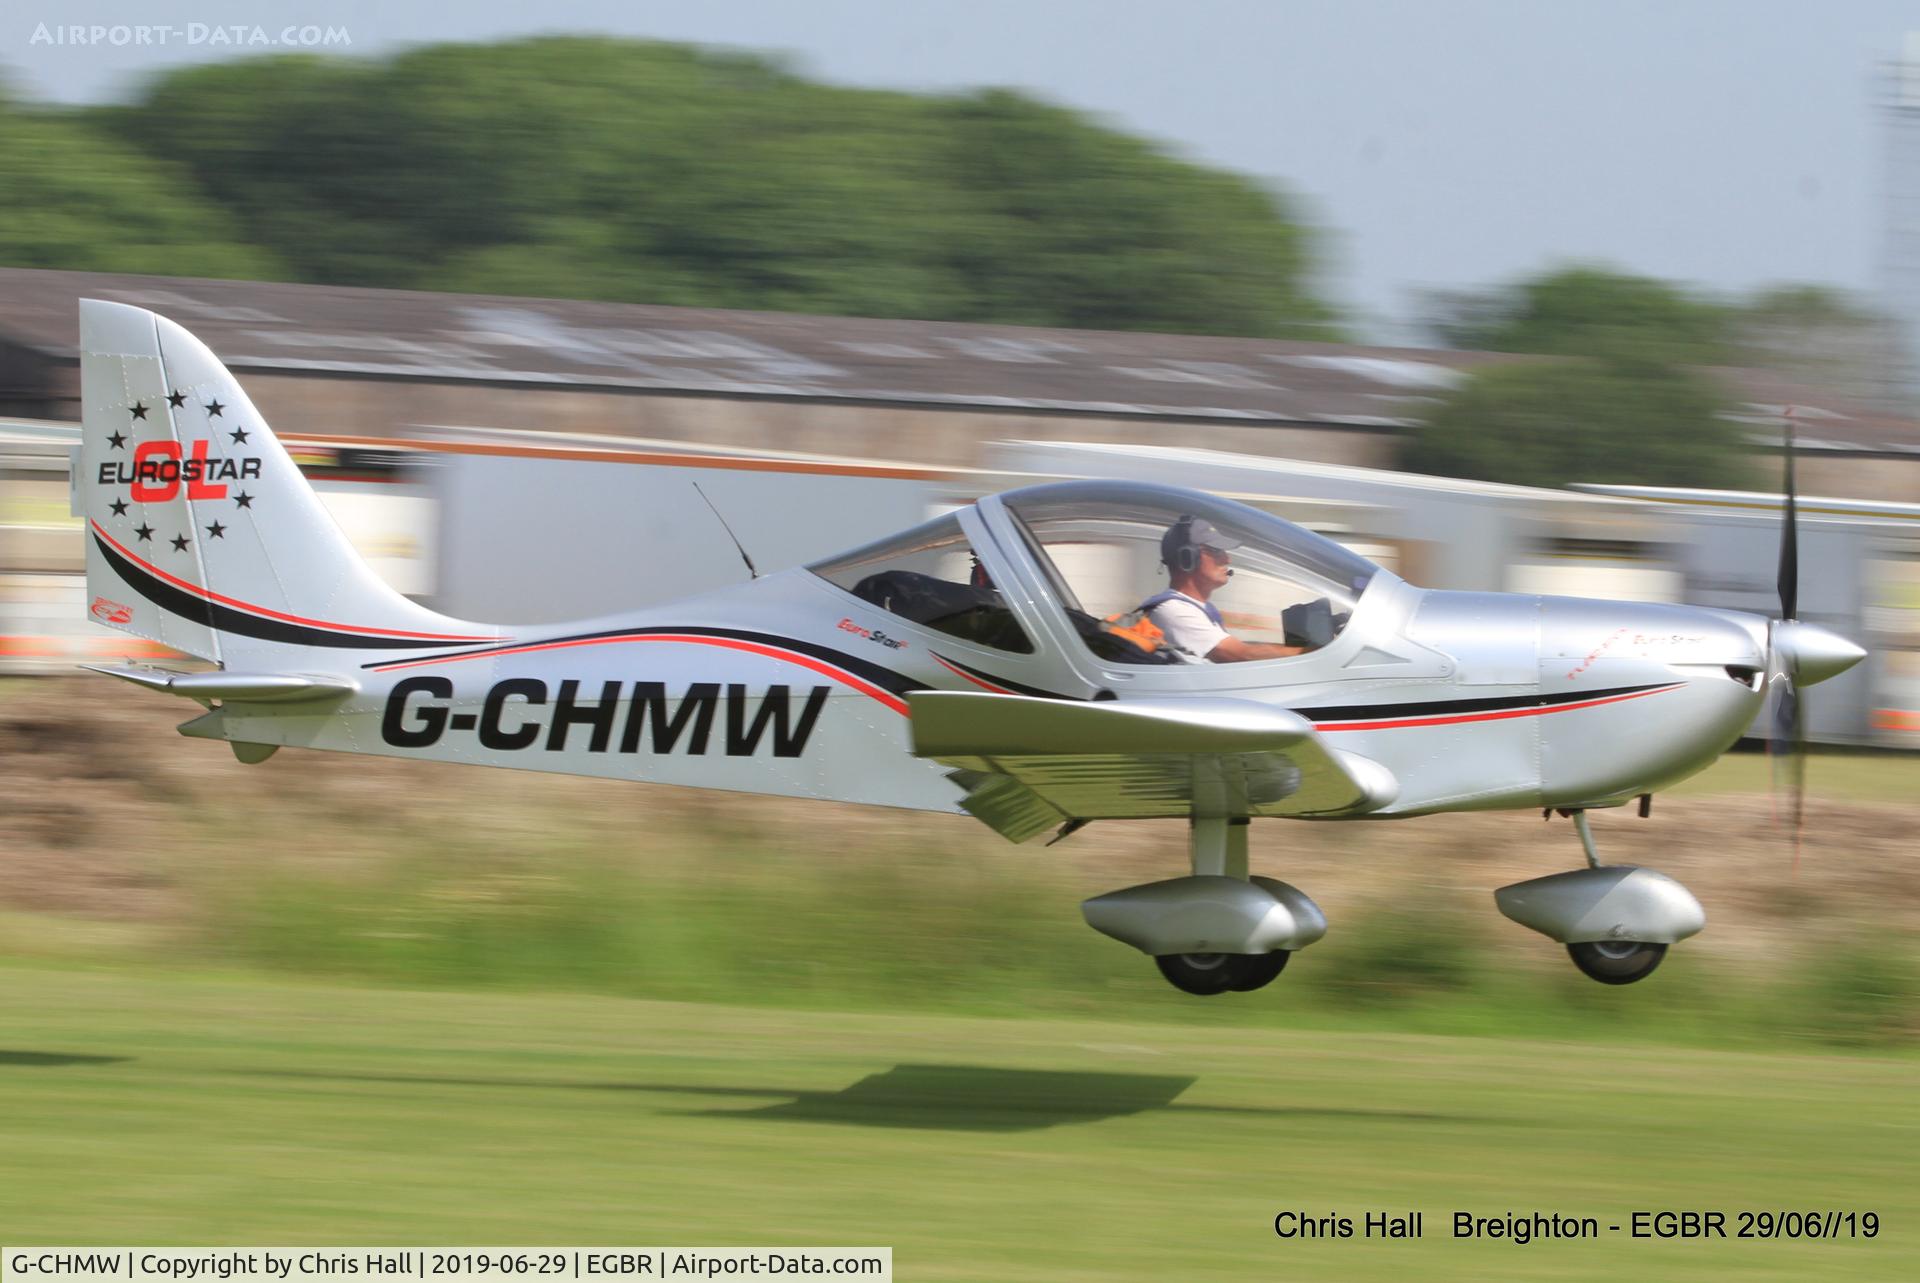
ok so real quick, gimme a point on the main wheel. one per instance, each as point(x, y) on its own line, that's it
point(1258, 971)
point(1616, 962)
point(1200, 973)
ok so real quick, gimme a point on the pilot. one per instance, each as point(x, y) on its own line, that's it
point(1195, 554)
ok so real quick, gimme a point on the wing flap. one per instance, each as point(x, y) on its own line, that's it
point(1007, 806)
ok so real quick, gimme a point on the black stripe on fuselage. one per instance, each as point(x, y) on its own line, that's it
point(1446, 707)
point(225, 619)
point(1018, 688)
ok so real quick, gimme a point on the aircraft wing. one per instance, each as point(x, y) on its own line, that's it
point(1032, 764)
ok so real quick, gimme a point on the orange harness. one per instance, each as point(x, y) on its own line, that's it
point(1136, 628)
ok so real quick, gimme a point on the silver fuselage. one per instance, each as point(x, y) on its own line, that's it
point(789, 685)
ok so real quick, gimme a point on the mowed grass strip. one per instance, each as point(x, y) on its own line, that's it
point(206, 1110)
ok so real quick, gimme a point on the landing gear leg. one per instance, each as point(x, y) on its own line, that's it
point(1218, 845)
point(1586, 839)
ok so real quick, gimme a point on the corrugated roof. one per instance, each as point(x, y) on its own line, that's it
point(1252, 465)
point(502, 339)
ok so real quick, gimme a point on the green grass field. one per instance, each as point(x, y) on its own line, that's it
point(206, 1109)
point(1842, 775)
point(489, 1008)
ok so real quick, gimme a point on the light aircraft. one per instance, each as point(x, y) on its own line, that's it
point(981, 663)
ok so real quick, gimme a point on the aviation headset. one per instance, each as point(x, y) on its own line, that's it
point(1177, 548)
point(1180, 546)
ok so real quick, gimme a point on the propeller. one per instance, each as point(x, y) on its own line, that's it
point(1786, 738)
point(1798, 655)
point(1789, 581)
point(1786, 743)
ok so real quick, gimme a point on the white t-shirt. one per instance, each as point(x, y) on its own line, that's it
point(1188, 628)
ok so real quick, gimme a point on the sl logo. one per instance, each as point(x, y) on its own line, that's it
point(168, 472)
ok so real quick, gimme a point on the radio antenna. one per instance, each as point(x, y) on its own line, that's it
point(752, 573)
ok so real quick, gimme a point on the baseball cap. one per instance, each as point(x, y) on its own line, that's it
point(1193, 532)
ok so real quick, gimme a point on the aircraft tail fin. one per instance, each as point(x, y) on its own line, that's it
point(202, 534)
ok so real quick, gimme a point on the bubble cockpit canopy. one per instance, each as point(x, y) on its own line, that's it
point(1100, 544)
point(1098, 547)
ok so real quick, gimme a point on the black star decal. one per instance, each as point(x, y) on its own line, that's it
point(217, 530)
point(117, 441)
point(119, 507)
point(239, 436)
point(176, 399)
point(214, 408)
point(243, 499)
point(179, 543)
point(145, 532)
point(139, 411)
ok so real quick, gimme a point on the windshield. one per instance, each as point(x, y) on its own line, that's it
point(1102, 546)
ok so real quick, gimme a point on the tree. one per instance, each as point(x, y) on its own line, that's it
point(74, 199)
point(1620, 404)
point(1587, 311)
point(1826, 338)
point(670, 174)
point(1551, 422)
point(1066, 222)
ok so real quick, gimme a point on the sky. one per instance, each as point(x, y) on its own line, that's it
point(1446, 144)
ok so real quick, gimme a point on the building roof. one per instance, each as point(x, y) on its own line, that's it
point(509, 340)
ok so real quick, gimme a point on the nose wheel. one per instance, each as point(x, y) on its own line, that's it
point(1616, 920)
point(1205, 974)
point(1611, 962)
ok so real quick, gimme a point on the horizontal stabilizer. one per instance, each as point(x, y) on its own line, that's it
point(251, 688)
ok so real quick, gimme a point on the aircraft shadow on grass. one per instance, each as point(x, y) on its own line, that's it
point(968, 1098)
point(934, 1097)
point(53, 1059)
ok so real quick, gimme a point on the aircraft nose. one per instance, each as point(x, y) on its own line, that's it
point(1812, 654)
point(1661, 690)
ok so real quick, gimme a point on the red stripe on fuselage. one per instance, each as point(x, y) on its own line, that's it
point(840, 675)
point(1500, 715)
point(237, 604)
point(961, 672)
